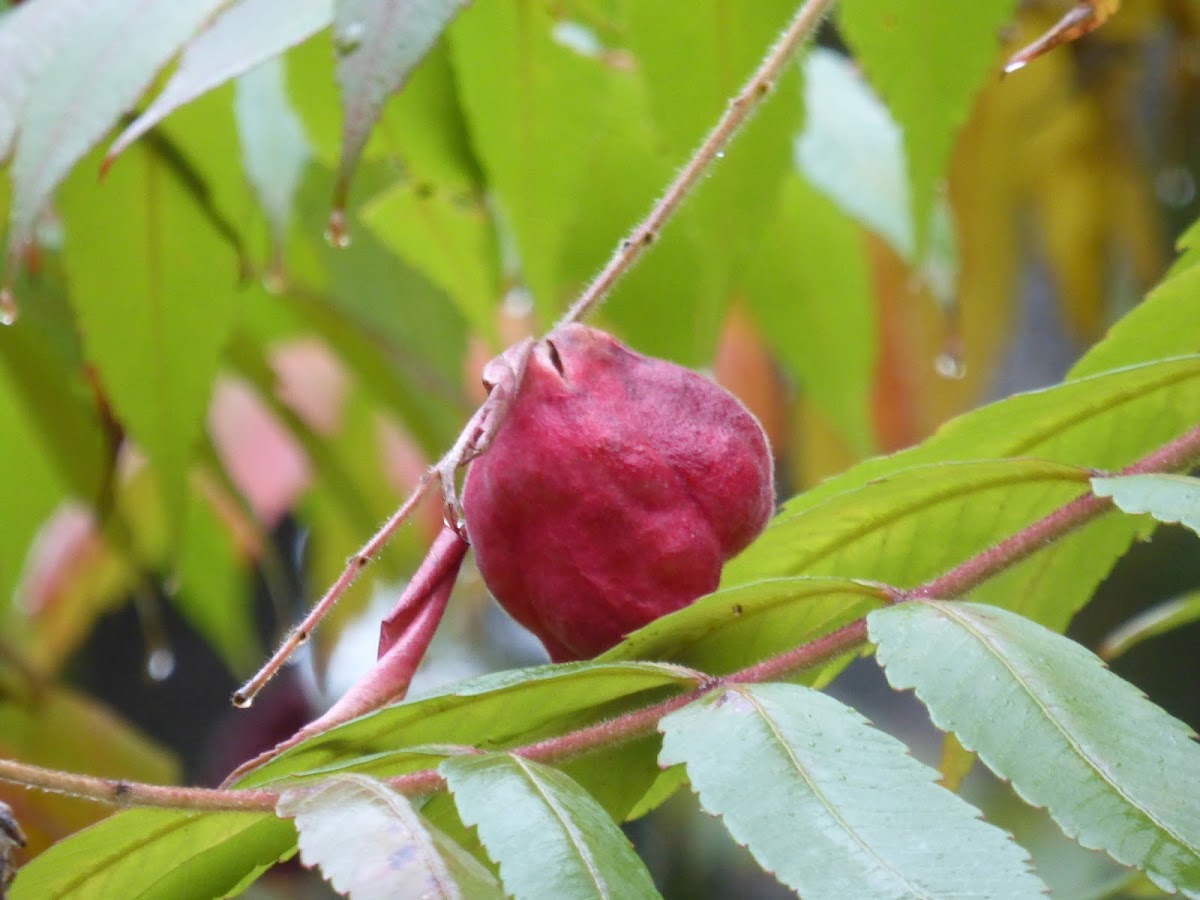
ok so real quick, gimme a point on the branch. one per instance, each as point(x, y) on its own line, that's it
point(1175, 455)
point(736, 114)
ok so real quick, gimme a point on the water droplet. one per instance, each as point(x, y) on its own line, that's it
point(8, 306)
point(350, 36)
point(950, 365)
point(242, 701)
point(335, 230)
point(720, 154)
point(160, 663)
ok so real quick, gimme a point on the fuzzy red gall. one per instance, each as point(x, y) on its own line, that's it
point(613, 492)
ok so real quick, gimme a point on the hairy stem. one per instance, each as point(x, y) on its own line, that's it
point(1175, 455)
point(736, 114)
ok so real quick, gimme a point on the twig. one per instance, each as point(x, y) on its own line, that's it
point(1176, 455)
point(244, 695)
point(629, 251)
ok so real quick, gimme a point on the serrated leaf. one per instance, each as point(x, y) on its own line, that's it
point(97, 74)
point(732, 628)
point(833, 807)
point(1161, 326)
point(245, 34)
point(372, 845)
point(154, 330)
point(152, 854)
point(1160, 619)
point(494, 710)
point(927, 60)
point(1114, 771)
point(549, 837)
point(531, 105)
point(274, 148)
point(378, 43)
point(1168, 498)
point(1103, 421)
point(912, 524)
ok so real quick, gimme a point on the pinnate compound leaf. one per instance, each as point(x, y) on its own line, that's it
point(1168, 498)
point(99, 72)
point(378, 43)
point(245, 34)
point(149, 854)
point(832, 806)
point(926, 58)
point(1114, 771)
point(549, 837)
point(372, 845)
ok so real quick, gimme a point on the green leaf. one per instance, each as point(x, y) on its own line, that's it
point(214, 590)
point(808, 288)
point(736, 627)
point(927, 60)
point(28, 498)
point(1159, 619)
point(237, 40)
point(549, 837)
point(497, 710)
point(531, 105)
point(626, 168)
point(151, 854)
point(833, 807)
point(853, 151)
point(154, 330)
point(1103, 421)
point(910, 525)
point(371, 843)
point(1114, 771)
point(1168, 498)
point(43, 367)
point(274, 148)
point(378, 43)
point(448, 238)
point(734, 205)
point(97, 74)
point(1161, 326)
